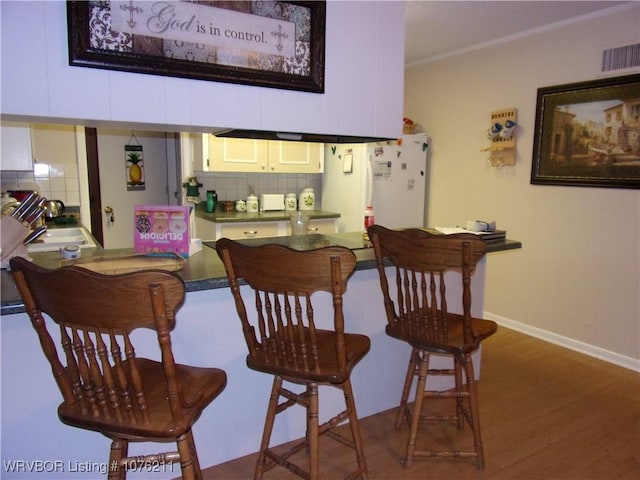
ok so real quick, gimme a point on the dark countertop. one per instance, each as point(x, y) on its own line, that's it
point(204, 270)
point(239, 217)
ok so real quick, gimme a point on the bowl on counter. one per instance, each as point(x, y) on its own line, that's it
point(227, 206)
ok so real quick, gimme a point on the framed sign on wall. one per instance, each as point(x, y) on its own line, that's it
point(279, 44)
point(588, 134)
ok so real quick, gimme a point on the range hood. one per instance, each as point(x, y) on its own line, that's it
point(298, 137)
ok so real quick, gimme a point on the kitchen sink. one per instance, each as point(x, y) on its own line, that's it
point(55, 238)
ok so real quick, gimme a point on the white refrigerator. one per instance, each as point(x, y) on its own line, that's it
point(389, 176)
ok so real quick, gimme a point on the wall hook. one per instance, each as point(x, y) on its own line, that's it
point(503, 139)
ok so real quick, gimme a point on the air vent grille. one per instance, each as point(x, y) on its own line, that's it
point(620, 58)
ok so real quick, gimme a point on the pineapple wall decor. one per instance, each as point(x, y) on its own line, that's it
point(134, 162)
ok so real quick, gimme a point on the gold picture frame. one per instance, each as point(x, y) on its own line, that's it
point(588, 134)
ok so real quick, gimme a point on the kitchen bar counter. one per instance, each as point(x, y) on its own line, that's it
point(204, 270)
point(208, 333)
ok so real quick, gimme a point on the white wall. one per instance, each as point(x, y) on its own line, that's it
point(577, 278)
point(363, 80)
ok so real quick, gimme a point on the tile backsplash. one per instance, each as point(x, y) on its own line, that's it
point(58, 181)
point(236, 186)
point(61, 182)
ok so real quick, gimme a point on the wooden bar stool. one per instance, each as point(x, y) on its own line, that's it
point(104, 385)
point(420, 315)
point(285, 340)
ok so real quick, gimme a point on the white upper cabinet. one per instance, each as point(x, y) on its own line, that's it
point(17, 153)
point(236, 155)
point(261, 156)
point(296, 157)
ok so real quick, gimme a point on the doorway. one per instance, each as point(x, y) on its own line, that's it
point(111, 203)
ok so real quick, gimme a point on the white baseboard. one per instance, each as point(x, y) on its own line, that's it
point(560, 340)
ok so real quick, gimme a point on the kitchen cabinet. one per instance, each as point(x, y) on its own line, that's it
point(239, 231)
point(295, 157)
point(54, 145)
point(261, 156)
point(208, 230)
point(17, 152)
point(324, 226)
point(234, 154)
point(204, 230)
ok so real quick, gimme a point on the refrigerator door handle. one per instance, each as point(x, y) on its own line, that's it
point(369, 182)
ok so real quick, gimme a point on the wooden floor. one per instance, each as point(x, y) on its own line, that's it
point(546, 413)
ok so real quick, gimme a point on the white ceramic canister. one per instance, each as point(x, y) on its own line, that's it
point(307, 199)
point(290, 202)
point(241, 206)
point(252, 204)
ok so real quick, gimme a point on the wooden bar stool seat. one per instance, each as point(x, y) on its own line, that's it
point(286, 337)
point(105, 386)
point(420, 297)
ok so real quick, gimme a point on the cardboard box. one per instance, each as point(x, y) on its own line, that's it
point(161, 229)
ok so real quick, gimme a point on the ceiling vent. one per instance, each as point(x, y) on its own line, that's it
point(621, 58)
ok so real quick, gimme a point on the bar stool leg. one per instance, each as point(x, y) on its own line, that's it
point(312, 430)
point(187, 465)
point(119, 450)
point(355, 429)
point(423, 368)
point(268, 427)
point(460, 387)
point(473, 407)
point(411, 372)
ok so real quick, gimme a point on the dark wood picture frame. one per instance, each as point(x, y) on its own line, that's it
point(588, 134)
point(81, 53)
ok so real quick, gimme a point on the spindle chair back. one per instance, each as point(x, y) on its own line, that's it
point(105, 385)
point(425, 281)
point(287, 336)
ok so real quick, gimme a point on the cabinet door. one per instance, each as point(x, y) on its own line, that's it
point(238, 231)
point(16, 146)
point(54, 144)
point(296, 157)
point(205, 230)
point(196, 146)
point(237, 155)
point(328, 225)
point(322, 225)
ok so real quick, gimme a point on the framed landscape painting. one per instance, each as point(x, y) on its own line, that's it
point(278, 44)
point(588, 134)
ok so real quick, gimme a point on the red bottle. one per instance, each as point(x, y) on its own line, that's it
point(369, 219)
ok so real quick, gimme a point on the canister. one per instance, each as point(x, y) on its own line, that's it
point(252, 203)
point(307, 199)
point(241, 206)
point(290, 202)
